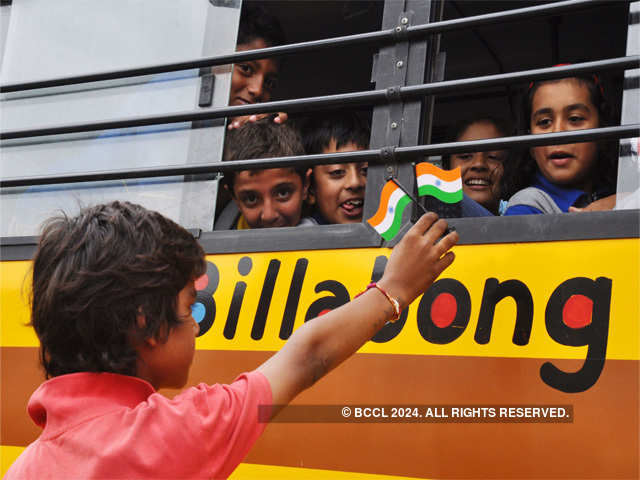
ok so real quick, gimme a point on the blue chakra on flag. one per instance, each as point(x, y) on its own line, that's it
point(438, 182)
point(390, 209)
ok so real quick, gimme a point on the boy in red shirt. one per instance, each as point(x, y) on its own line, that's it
point(112, 294)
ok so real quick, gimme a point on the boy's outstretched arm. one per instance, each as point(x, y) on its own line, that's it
point(319, 346)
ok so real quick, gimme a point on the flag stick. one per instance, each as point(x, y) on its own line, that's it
point(424, 210)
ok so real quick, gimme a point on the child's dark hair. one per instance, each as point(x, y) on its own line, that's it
point(459, 128)
point(93, 276)
point(261, 139)
point(257, 23)
point(604, 174)
point(344, 128)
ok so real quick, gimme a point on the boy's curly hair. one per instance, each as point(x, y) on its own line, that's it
point(95, 273)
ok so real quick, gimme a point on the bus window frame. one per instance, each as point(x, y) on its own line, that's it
point(487, 230)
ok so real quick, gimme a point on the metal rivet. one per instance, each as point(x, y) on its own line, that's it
point(404, 20)
point(398, 29)
point(389, 169)
point(399, 64)
point(394, 125)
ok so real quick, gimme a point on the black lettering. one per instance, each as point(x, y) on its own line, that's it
point(493, 293)
point(244, 267)
point(205, 297)
point(594, 333)
point(265, 300)
point(428, 329)
point(339, 298)
point(290, 309)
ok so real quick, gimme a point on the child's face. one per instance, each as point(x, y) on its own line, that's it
point(560, 106)
point(481, 171)
point(270, 198)
point(253, 81)
point(167, 364)
point(339, 189)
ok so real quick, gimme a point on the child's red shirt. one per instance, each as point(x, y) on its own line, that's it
point(103, 425)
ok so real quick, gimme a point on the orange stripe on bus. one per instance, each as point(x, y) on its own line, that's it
point(418, 447)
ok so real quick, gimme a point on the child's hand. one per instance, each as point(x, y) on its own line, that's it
point(319, 346)
point(419, 258)
point(237, 122)
point(606, 203)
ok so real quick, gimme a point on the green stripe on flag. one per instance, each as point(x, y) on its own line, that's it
point(397, 219)
point(446, 197)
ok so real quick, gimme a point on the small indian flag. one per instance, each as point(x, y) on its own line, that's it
point(445, 185)
point(388, 219)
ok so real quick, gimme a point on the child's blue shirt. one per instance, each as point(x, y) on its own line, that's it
point(563, 197)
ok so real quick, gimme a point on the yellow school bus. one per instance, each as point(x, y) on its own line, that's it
point(521, 361)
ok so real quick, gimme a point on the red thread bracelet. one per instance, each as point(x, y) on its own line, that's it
point(394, 303)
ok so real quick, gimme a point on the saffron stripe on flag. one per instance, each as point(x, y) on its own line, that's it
point(389, 208)
point(425, 168)
point(388, 219)
point(387, 190)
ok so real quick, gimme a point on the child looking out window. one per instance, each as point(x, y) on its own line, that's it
point(271, 197)
point(253, 81)
point(559, 177)
point(337, 190)
point(482, 172)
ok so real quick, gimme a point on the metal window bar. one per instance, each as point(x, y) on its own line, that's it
point(625, 222)
point(376, 156)
point(378, 37)
point(340, 100)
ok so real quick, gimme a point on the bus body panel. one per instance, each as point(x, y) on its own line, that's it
point(457, 350)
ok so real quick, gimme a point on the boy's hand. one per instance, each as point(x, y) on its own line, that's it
point(319, 346)
point(237, 122)
point(418, 259)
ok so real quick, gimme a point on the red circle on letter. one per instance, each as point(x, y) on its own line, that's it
point(443, 310)
point(202, 282)
point(576, 313)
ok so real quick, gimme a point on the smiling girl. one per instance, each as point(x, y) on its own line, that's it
point(481, 172)
point(563, 176)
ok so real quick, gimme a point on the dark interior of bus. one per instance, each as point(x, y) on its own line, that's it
point(584, 32)
point(592, 34)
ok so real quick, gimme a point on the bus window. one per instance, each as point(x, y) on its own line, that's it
point(629, 166)
point(41, 43)
point(479, 51)
point(495, 176)
point(314, 73)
